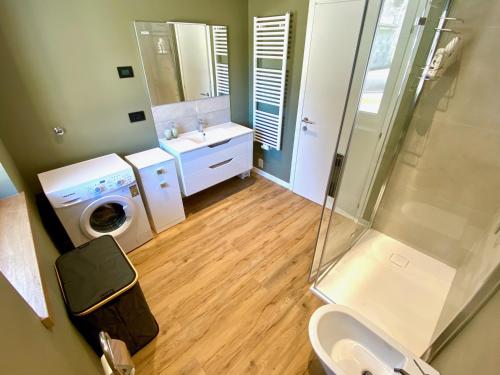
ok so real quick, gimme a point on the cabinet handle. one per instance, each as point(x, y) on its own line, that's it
point(163, 185)
point(219, 143)
point(161, 171)
point(221, 163)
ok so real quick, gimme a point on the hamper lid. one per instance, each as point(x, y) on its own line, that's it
point(93, 274)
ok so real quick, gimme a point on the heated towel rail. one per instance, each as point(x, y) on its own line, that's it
point(270, 50)
point(219, 35)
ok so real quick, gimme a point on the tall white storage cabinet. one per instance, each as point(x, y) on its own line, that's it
point(155, 171)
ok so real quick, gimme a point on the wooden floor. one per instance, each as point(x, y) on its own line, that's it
point(229, 286)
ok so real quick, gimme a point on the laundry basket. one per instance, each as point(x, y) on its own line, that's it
point(101, 292)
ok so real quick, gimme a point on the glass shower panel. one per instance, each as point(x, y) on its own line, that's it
point(404, 110)
point(360, 186)
point(334, 246)
point(443, 195)
point(339, 229)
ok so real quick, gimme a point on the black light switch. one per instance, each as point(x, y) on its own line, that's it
point(125, 71)
point(137, 116)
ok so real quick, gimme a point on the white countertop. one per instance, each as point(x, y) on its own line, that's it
point(194, 140)
point(81, 173)
point(148, 158)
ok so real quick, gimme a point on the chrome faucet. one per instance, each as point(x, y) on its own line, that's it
point(201, 126)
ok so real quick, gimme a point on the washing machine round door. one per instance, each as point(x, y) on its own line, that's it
point(112, 215)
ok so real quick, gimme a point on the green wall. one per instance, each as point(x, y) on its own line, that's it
point(27, 347)
point(58, 64)
point(278, 163)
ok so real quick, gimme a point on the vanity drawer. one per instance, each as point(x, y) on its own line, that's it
point(213, 174)
point(205, 157)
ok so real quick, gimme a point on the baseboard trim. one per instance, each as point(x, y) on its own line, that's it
point(272, 178)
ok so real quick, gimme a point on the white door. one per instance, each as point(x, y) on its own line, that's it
point(331, 42)
point(195, 64)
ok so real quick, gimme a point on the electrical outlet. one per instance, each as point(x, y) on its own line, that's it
point(260, 163)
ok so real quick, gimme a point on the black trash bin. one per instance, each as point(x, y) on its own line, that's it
point(100, 288)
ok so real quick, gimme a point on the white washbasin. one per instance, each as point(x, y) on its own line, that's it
point(213, 134)
point(348, 344)
point(210, 135)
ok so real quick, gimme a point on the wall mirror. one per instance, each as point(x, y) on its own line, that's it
point(183, 61)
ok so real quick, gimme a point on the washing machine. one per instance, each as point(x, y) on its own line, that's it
point(97, 197)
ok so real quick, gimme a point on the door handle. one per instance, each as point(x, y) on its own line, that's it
point(204, 94)
point(306, 121)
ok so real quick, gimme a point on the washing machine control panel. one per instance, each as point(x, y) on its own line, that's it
point(92, 189)
point(110, 183)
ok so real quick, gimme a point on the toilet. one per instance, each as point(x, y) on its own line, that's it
point(346, 343)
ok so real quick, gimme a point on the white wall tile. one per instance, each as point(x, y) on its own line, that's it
point(185, 114)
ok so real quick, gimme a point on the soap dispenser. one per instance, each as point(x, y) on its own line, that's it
point(175, 131)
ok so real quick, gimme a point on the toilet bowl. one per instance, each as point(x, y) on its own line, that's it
point(349, 344)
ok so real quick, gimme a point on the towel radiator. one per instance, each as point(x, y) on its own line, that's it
point(219, 35)
point(270, 50)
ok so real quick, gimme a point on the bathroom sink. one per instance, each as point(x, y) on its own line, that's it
point(212, 135)
point(348, 344)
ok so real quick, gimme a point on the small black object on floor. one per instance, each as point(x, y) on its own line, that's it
point(101, 292)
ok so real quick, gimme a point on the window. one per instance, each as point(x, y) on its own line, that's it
point(382, 54)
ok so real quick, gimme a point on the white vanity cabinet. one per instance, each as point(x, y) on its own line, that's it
point(203, 160)
point(156, 173)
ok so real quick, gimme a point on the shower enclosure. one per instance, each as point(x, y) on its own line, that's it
point(409, 235)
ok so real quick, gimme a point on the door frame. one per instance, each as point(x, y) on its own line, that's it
point(303, 81)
